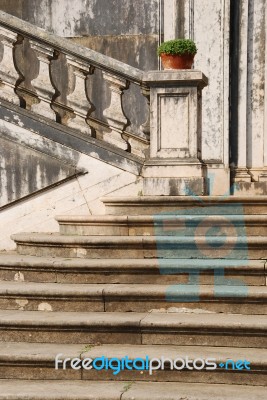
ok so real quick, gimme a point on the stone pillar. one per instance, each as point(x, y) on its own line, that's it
point(145, 127)
point(207, 22)
point(8, 73)
point(42, 83)
point(77, 100)
point(114, 113)
point(264, 172)
point(173, 21)
point(250, 171)
point(175, 165)
point(241, 172)
point(256, 75)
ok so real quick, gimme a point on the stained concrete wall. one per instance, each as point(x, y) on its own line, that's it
point(124, 29)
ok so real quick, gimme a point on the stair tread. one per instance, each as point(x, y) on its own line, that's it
point(84, 219)
point(199, 200)
point(134, 319)
point(125, 263)
point(137, 290)
point(109, 239)
point(85, 390)
point(18, 351)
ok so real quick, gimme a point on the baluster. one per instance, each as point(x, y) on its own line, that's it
point(42, 83)
point(145, 127)
point(114, 113)
point(77, 100)
point(8, 72)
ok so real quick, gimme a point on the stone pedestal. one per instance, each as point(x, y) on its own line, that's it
point(175, 166)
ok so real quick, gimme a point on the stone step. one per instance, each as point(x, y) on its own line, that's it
point(85, 390)
point(38, 361)
point(150, 271)
point(56, 245)
point(150, 205)
point(156, 225)
point(176, 328)
point(135, 297)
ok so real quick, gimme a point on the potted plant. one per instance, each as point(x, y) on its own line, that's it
point(177, 53)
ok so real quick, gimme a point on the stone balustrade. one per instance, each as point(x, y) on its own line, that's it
point(52, 77)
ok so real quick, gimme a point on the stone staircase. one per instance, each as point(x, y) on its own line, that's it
point(170, 277)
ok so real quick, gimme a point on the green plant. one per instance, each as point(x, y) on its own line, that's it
point(87, 347)
point(177, 47)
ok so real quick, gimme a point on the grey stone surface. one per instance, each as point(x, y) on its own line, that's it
point(138, 297)
point(61, 270)
point(150, 225)
point(61, 390)
point(157, 204)
point(39, 359)
point(26, 170)
point(171, 391)
point(52, 137)
point(134, 328)
point(176, 247)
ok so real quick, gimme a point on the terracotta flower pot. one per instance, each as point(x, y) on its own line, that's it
point(170, 61)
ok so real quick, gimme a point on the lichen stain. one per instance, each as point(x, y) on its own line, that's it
point(44, 307)
point(19, 276)
point(22, 303)
point(80, 253)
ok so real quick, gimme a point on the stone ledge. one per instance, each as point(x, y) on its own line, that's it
point(183, 77)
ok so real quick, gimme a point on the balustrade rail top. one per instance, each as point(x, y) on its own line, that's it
point(187, 77)
point(64, 45)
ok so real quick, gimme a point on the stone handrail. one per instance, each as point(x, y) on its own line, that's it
point(50, 75)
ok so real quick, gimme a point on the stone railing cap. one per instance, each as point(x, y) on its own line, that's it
point(187, 77)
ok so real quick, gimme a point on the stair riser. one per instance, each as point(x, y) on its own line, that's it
point(112, 276)
point(180, 337)
point(154, 209)
point(44, 372)
point(150, 230)
point(226, 339)
point(139, 251)
point(121, 390)
point(47, 304)
point(126, 304)
point(218, 307)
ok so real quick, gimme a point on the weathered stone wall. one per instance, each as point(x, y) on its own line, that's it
point(127, 29)
point(46, 171)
